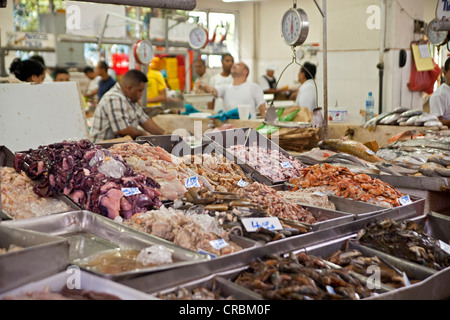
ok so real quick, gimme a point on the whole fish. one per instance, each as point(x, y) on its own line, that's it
point(391, 119)
point(402, 119)
point(395, 170)
point(425, 118)
point(351, 147)
point(429, 169)
point(425, 143)
point(407, 135)
point(390, 154)
point(411, 121)
point(443, 172)
point(433, 123)
point(371, 125)
point(412, 113)
point(344, 158)
point(401, 110)
point(440, 159)
point(408, 162)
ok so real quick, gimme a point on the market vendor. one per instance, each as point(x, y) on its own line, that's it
point(118, 114)
point(241, 92)
point(306, 96)
point(440, 100)
point(156, 86)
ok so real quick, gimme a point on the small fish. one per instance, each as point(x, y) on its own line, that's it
point(443, 172)
point(408, 162)
point(345, 158)
point(433, 123)
point(401, 110)
point(402, 119)
point(411, 121)
point(391, 119)
point(425, 143)
point(351, 147)
point(395, 170)
point(371, 125)
point(412, 113)
point(425, 118)
point(429, 169)
point(390, 154)
point(440, 159)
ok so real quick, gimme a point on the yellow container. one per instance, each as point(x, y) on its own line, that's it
point(174, 84)
point(172, 67)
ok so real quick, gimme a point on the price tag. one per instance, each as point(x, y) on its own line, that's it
point(130, 191)
point(405, 200)
point(370, 152)
point(219, 244)
point(207, 253)
point(242, 183)
point(269, 223)
point(444, 246)
point(192, 182)
point(286, 164)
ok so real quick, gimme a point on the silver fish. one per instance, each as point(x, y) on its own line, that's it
point(345, 158)
point(433, 123)
point(429, 169)
point(395, 170)
point(443, 172)
point(402, 119)
point(440, 159)
point(390, 154)
point(411, 121)
point(391, 119)
point(408, 162)
point(401, 110)
point(425, 143)
point(371, 125)
point(425, 118)
point(412, 113)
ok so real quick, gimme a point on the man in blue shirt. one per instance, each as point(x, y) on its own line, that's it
point(106, 82)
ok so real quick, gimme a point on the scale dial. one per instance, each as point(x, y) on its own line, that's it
point(295, 27)
point(437, 38)
point(198, 38)
point(143, 52)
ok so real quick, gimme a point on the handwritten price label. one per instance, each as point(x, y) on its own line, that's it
point(405, 200)
point(269, 223)
point(130, 191)
point(242, 183)
point(219, 244)
point(286, 164)
point(192, 182)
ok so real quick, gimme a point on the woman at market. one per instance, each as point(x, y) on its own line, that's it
point(241, 92)
point(440, 100)
point(118, 114)
point(28, 70)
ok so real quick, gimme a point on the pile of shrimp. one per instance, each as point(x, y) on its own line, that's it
point(19, 200)
point(344, 183)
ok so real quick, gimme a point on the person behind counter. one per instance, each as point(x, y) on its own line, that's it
point(203, 75)
point(48, 77)
point(440, 100)
point(61, 74)
point(28, 70)
point(118, 114)
point(92, 87)
point(106, 82)
point(268, 82)
point(156, 86)
point(241, 92)
point(222, 78)
point(307, 94)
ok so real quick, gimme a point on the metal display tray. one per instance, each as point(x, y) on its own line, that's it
point(221, 140)
point(41, 255)
point(435, 225)
point(91, 233)
point(419, 183)
point(171, 278)
point(86, 281)
point(219, 283)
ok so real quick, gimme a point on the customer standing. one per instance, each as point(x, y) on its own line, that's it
point(28, 70)
point(106, 82)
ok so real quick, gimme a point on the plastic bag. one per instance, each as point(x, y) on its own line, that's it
point(107, 164)
point(423, 81)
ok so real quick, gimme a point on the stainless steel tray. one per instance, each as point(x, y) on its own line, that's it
point(435, 225)
point(418, 183)
point(42, 255)
point(90, 233)
point(358, 208)
point(220, 283)
point(221, 140)
point(87, 282)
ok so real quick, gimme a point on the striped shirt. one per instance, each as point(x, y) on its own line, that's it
point(115, 112)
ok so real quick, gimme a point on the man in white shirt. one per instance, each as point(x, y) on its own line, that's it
point(222, 78)
point(307, 94)
point(440, 100)
point(241, 92)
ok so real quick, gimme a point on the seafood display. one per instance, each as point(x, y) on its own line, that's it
point(404, 117)
point(355, 261)
point(308, 198)
point(406, 240)
point(200, 293)
point(229, 208)
point(18, 199)
point(269, 162)
point(276, 205)
point(155, 162)
point(64, 294)
point(195, 232)
point(300, 277)
point(342, 182)
point(222, 174)
point(91, 176)
point(415, 153)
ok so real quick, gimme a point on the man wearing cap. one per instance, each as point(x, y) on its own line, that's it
point(156, 86)
point(269, 83)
